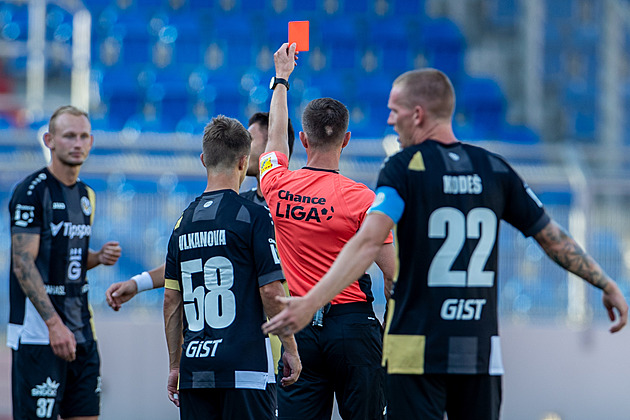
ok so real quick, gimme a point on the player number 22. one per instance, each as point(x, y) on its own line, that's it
point(213, 302)
point(480, 223)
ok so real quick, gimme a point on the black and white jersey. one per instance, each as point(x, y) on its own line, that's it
point(252, 195)
point(62, 217)
point(221, 251)
point(444, 306)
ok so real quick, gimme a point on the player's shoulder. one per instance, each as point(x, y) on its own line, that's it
point(32, 184)
point(245, 206)
point(497, 162)
point(82, 183)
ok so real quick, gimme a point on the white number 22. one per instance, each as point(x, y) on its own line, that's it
point(481, 223)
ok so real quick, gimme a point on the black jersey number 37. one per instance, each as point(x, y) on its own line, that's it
point(455, 227)
point(213, 302)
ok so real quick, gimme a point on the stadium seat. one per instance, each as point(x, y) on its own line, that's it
point(518, 134)
point(482, 101)
point(390, 39)
point(444, 46)
point(340, 43)
point(405, 8)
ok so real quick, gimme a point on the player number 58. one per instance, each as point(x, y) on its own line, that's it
point(213, 302)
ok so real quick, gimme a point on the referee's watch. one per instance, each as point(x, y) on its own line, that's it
point(275, 81)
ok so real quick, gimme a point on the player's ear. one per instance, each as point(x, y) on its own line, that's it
point(202, 162)
point(304, 139)
point(346, 139)
point(48, 141)
point(243, 163)
point(418, 115)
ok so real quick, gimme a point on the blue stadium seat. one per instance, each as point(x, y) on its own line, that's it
point(483, 102)
point(444, 46)
point(518, 134)
point(340, 43)
point(504, 14)
point(304, 6)
point(405, 8)
point(120, 91)
point(559, 10)
point(391, 41)
point(353, 7)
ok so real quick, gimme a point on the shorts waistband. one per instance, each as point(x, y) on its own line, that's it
point(349, 308)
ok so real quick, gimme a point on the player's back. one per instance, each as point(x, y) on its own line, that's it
point(214, 256)
point(454, 198)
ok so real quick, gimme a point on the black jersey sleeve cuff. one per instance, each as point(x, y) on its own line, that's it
point(538, 226)
point(270, 278)
point(31, 229)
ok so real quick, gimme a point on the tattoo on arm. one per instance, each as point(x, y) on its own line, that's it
point(563, 249)
point(24, 249)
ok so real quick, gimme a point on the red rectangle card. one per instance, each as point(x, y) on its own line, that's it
point(298, 33)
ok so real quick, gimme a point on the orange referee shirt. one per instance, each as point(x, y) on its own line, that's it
point(315, 212)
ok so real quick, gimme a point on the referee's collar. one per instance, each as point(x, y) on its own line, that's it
point(310, 168)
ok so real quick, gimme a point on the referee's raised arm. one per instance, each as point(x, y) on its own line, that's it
point(284, 60)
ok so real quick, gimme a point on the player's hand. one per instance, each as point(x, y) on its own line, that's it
point(171, 386)
point(613, 299)
point(62, 340)
point(298, 312)
point(120, 292)
point(292, 368)
point(285, 60)
point(109, 253)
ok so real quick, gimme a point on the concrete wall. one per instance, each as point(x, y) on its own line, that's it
point(579, 375)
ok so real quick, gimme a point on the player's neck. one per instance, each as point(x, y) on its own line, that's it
point(222, 181)
point(323, 160)
point(65, 174)
point(442, 133)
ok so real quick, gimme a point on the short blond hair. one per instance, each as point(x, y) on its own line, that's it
point(429, 88)
point(66, 109)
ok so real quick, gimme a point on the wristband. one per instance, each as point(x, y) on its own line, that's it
point(143, 281)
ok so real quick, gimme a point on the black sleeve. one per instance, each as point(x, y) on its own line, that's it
point(523, 209)
point(171, 270)
point(392, 174)
point(266, 259)
point(26, 209)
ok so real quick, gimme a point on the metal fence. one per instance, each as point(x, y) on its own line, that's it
point(142, 187)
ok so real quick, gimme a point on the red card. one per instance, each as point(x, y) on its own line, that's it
point(298, 33)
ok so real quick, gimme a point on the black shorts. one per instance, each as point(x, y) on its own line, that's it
point(342, 359)
point(45, 386)
point(462, 397)
point(227, 404)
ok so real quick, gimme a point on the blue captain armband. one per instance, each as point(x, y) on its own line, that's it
point(389, 203)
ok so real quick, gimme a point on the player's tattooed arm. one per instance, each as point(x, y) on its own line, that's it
point(24, 249)
point(563, 249)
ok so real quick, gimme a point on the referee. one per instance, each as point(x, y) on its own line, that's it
point(316, 210)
